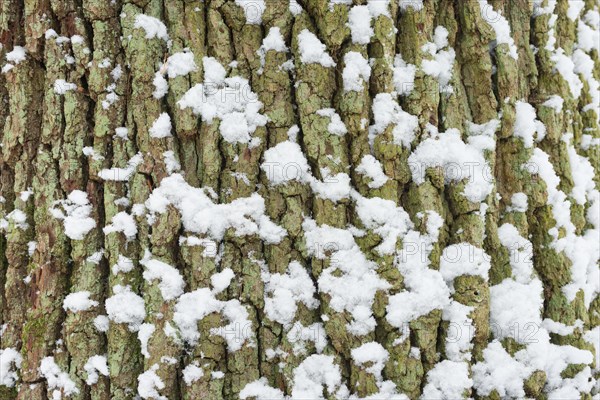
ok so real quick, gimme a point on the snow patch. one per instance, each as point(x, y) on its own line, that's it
point(253, 10)
point(171, 283)
point(126, 307)
point(371, 168)
point(61, 86)
point(260, 390)
point(79, 301)
point(17, 55)
point(77, 221)
point(527, 126)
point(59, 383)
point(161, 127)
point(192, 373)
point(124, 223)
point(200, 215)
point(95, 366)
point(359, 22)
point(228, 99)
point(336, 126)
point(314, 373)
point(458, 160)
point(181, 64)
point(149, 383)
point(312, 51)
point(284, 291)
point(153, 27)
point(357, 72)
point(10, 363)
point(386, 112)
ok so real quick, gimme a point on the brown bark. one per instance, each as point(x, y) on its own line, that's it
point(80, 97)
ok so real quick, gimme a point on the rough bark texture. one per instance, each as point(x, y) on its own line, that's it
point(55, 142)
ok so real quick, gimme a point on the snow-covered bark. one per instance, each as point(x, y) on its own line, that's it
point(294, 199)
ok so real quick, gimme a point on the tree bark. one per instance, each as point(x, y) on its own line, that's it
point(345, 272)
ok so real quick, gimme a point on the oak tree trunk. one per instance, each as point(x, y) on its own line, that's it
point(500, 95)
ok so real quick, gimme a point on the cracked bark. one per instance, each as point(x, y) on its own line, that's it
point(43, 135)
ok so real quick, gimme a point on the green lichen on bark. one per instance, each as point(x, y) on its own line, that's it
point(56, 142)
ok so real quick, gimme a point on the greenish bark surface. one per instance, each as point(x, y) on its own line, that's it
point(55, 142)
